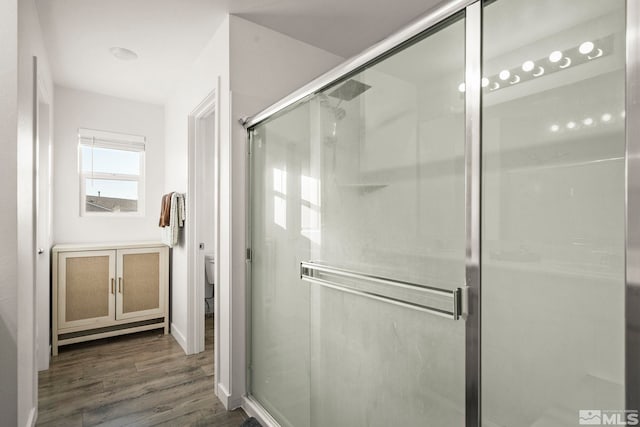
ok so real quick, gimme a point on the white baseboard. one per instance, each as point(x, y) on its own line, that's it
point(44, 365)
point(223, 395)
point(229, 401)
point(179, 337)
point(33, 417)
point(254, 409)
point(235, 402)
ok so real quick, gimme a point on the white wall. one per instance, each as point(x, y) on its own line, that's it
point(79, 109)
point(8, 177)
point(265, 66)
point(213, 64)
point(30, 44)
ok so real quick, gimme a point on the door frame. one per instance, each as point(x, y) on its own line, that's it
point(43, 121)
point(473, 222)
point(632, 208)
point(195, 256)
point(473, 163)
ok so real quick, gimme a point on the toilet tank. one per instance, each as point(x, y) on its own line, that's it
point(209, 268)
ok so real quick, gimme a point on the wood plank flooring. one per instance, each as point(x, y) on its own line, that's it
point(139, 380)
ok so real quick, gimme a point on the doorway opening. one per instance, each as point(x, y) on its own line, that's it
point(203, 231)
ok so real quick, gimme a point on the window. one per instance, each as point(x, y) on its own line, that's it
point(111, 167)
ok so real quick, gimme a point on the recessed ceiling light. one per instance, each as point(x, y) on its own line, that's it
point(555, 56)
point(528, 66)
point(123, 54)
point(586, 48)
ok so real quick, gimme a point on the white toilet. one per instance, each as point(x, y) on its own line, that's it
point(209, 273)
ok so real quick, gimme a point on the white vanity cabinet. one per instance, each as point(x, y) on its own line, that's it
point(105, 290)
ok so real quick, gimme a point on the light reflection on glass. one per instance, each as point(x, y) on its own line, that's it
point(310, 210)
point(280, 181)
point(280, 199)
point(280, 211)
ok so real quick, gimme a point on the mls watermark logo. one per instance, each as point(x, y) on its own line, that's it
point(592, 417)
point(599, 417)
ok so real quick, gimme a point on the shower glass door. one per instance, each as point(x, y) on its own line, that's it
point(358, 242)
point(553, 231)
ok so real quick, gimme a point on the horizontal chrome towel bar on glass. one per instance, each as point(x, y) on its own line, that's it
point(441, 302)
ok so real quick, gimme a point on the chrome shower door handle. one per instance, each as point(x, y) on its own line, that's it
point(437, 301)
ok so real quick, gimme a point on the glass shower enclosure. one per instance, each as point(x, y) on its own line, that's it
point(438, 230)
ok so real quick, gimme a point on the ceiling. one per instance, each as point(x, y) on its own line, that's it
point(343, 27)
point(168, 35)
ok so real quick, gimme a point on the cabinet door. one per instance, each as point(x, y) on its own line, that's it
point(86, 288)
point(141, 283)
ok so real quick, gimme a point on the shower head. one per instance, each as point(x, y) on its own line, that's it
point(349, 90)
point(338, 113)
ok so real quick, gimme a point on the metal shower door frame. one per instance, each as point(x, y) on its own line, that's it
point(473, 62)
point(632, 208)
point(473, 186)
point(473, 182)
point(379, 51)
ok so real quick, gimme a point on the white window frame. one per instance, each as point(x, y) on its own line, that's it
point(113, 141)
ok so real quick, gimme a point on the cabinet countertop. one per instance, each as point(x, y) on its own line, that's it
point(103, 246)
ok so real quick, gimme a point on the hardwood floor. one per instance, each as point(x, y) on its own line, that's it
point(143, 379)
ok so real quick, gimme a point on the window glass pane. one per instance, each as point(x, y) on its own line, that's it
point(105, 160)
point(389, 161)
point(111, 195)
point(367, 175)
point(553, 211)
